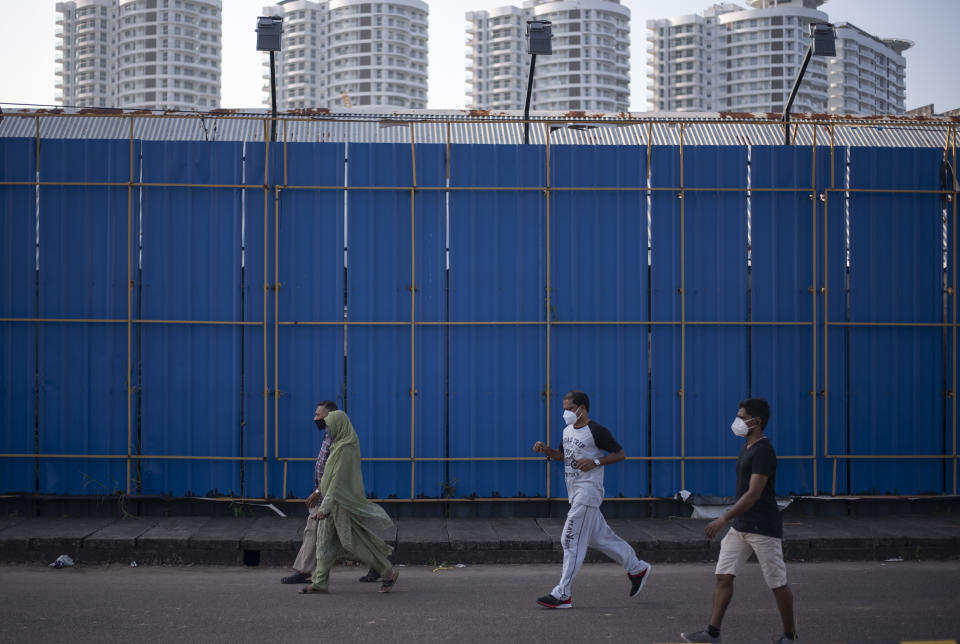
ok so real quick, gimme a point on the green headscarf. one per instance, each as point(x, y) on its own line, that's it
point(344, 499)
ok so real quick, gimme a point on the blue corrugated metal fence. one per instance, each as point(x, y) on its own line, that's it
point(171, 312)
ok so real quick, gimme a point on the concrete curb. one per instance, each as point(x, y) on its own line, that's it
point(274, 541)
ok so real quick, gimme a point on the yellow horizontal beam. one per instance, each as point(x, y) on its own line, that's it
point(406, 323)
point(141, 457)
point(445, 188)
point(890, 456)
point(391, 459)
point(543, 323)
point(133, 321)
point(512, 499)
point(894, 324)
point(408, 459)
point(906, 191)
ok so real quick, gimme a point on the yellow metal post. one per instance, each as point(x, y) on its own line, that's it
point(683, 329)
point(547, 293)
point(266, 287)
point(276, 317)
point(413, 312)
point(813, 218)
point(826, 335)
point(953, 401)
point(284, 152)
point(128, 382)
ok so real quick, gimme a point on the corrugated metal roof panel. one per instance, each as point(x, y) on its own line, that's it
point(458, 126)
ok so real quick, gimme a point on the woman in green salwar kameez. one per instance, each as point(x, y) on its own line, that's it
point(347, 518)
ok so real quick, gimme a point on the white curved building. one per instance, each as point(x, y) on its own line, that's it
point(497, 64)
point(85, 69)
point(868, 76)
point(301, 63)
point(731, 58)
point(149, 54)
point(350, 52)
point(588, 70)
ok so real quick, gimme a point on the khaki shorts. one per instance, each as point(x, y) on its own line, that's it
point(736, 547)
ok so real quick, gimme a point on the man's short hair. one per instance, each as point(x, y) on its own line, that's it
point(578, 398)
point(757, 408)
point(329, 404)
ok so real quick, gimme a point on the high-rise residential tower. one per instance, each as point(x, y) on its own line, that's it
point(868, 75)
point(143, 54)
point(731, 58)
point(340, 53)
point(498, 64)
point(588, 70)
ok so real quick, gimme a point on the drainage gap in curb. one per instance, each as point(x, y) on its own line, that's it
point(251, 557)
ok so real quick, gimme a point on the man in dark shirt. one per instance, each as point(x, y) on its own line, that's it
point(757, 527)
point(306, 559)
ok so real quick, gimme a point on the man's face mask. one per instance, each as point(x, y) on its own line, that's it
point(321, 424)
point(569, 417)
point(739, 427)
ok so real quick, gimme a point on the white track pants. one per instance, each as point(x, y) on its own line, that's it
point(585, 527)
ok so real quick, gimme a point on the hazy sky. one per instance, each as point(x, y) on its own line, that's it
point(27, 48)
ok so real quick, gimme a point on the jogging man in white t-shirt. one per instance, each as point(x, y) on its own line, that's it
point(587, 447)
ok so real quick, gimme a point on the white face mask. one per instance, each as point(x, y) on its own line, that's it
point(739, 427)
point(569, 417)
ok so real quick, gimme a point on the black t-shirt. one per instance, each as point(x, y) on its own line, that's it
point(764, 516)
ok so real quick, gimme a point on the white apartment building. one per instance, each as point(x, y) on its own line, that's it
point(731, 58)
point(346, 53)
point(497, 64)
point(868, 76)
point(139, 54)
point(588, 70)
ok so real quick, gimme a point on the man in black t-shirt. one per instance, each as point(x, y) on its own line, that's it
point(757, 527)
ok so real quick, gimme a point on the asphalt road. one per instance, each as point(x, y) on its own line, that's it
point(836, 602)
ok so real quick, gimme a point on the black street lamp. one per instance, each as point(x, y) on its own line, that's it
point(822, 43)
point(539, 41)
point(269, 31)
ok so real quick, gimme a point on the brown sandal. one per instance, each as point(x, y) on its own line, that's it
point(387, 584)
point(311, 590)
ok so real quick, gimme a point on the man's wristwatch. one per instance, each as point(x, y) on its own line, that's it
point(317, 491)
point(596, 462)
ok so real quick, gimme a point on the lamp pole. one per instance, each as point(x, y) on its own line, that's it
point(273, 98)
point(539, 35)
point(793, 95)
point(822, 43)
point(526, 107)
point(269, 31)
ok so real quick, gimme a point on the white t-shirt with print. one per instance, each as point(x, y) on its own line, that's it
point(585, 488)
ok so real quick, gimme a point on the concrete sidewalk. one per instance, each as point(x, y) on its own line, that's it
point(274, 541)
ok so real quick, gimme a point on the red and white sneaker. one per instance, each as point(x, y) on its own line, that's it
point(638, 580)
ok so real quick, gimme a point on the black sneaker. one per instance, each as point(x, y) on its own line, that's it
point(371, 576)
point(700, 636)
point(549, 601)
point(299, 578)
point(638, 580)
